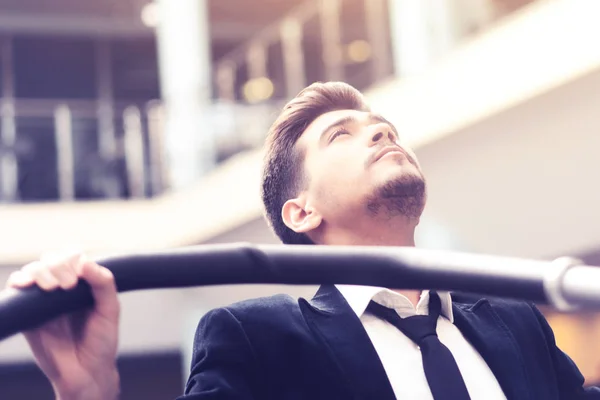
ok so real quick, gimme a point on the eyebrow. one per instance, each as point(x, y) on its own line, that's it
point(373, 118)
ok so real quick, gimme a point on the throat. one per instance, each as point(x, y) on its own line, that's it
point(413, 295)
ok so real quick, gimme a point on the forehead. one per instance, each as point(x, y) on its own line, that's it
point(313, 132)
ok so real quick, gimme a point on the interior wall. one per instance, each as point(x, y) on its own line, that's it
point(522, 182)
point(152, 376)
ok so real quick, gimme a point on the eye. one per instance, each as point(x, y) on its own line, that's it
point(337, 133)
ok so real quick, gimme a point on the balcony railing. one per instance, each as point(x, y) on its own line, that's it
point(65, 150)
point(320, 40)
point(75, 150)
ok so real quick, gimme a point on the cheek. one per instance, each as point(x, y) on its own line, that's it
point(343, 169)
point(337, 178)
point(413, 156)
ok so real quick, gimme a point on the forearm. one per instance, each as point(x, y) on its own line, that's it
point(104, 387)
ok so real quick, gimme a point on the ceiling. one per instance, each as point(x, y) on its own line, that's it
point(231, 20)
point(523, 182)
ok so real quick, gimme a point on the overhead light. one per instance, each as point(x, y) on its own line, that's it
point(358, 51)
point(258, 89)
point(150, 15)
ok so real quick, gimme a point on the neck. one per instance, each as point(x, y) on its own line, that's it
point(413, 295)
point(399, 231)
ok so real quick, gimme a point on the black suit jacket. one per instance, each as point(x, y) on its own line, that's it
point(282, 348)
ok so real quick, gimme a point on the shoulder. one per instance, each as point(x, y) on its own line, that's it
point(262, 323)
point(263, 311)
point(471, 301)
point(513, 312)
point(277, 304)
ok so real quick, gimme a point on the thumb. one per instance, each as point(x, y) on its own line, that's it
point(104, 289)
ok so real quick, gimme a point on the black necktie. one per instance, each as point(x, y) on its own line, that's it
point(441, 371)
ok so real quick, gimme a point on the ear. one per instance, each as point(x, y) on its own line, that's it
point(299, 216)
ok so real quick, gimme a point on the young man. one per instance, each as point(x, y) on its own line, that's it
point(334, 174)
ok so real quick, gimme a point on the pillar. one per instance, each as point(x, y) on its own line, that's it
point(185, 79)
point(421, 31)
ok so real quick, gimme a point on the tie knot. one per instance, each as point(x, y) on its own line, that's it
point(418, 327)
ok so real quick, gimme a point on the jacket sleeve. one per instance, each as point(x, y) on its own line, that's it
point(570, 379)
point(223, 361)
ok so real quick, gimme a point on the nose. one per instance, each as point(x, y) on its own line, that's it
point(382, 135)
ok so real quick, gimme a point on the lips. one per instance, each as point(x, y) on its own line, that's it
point(386, 150)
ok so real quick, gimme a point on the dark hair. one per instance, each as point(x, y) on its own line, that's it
point(283, 174)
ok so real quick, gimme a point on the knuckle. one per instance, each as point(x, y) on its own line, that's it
point(32, 266)
point(15, 274)
point(38, 275)
point(70, 284)
point(57, 268)
point(107, 275)
point(12, 278)
point(47, 285)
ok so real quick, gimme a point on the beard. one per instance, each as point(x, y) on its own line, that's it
point(403, 196)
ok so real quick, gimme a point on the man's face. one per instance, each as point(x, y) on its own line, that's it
point(355, 163)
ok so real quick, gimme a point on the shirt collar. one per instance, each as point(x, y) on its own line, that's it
point(358, 297)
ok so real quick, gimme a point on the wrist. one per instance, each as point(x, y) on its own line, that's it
point(106, 386)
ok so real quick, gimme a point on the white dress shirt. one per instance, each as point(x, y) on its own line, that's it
point(401, 357)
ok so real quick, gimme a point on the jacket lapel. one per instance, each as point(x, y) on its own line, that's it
point(484, 329)
point(341, 332)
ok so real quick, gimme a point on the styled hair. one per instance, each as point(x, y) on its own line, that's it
point(283, 170)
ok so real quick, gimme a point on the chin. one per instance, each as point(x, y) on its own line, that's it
point(399, 173)
point(401, 193)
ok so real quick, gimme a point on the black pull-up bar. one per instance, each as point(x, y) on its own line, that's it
point(563, 283)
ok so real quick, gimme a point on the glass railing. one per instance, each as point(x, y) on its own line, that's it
point(79, 150)
point(321, 40)
point(75, 150)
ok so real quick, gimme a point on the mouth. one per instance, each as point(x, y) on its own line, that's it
point(388, 150)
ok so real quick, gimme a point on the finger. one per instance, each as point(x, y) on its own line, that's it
point(19, 279)
point(22, 277)
point(41, 274)
point(65, 274)
point(104, 289)
point(64, 265)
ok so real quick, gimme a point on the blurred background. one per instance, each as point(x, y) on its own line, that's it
point(136, 125)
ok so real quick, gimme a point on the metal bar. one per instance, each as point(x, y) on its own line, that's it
point(107, 141)
point(270, 33)
point(134, 152)
point(580, 287)
point(329, 12)
point(9, 181)
point(40, 23)
point(156, 142)
point(393, 267)
point(226, 81)
point(105, 117)
point(293, 56)
point(9, 173)
point(63, 133)
point(378, 38)
point(46, 107)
